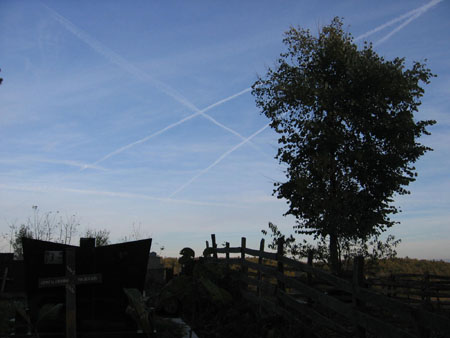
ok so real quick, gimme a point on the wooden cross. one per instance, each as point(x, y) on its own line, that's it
point(70, 280)
point(5, 260)
point(4, 279)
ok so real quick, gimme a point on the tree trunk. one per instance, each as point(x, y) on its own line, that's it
point(334, 256)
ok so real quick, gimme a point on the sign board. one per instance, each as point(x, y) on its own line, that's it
point(60, 281)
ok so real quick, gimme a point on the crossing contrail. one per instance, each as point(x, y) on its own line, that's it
point(141, 75)
point(115, 58)
point(225, 154)
point(170, 126)
point(412, 15)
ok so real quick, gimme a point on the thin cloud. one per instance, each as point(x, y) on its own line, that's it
point(72, 164)
point(115, 194)
point(412, 15)
point(44, 160)
point(228, 152)
point(138, 73)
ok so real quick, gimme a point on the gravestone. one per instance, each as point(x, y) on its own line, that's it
point(155, 271)
point(69, 281)
point(97, 279)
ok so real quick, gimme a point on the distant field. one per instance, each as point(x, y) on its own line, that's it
point(412, 265)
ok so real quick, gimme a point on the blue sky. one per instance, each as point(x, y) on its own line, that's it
point(140, 113)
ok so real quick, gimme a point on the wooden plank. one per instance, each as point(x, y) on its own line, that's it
point(263, 284)
point(415, 275)
point(403, 310)
point(263, 268)
point(233, 261)
point(433, 321)
point(364, 320)
point(312, 314)
point(257, 253)
point(271, 306)
point(230, 250)
point(320, 274)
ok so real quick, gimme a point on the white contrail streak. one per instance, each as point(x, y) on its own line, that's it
point(221, 157)
point(397, 29)
point(163, 130)
point(119, 60)
point(133, 70)
point(113, 194)
point(415, 13)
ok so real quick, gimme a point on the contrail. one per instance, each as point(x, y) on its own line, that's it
point(163, 130)
point(119, 60)
point(415, 13)
point(133, 70)
point(412, 18)
point(225, 154)
point(71, 163)
point(114, 194)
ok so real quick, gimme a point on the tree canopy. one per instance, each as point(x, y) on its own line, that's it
point(348, 136)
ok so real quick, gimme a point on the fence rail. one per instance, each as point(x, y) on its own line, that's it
point(432, 291)
point(345, 307)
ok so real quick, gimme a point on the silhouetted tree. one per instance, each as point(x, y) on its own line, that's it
point(101, 236)
point(347, 132)
point(16, 241)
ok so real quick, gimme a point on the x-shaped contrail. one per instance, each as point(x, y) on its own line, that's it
point(117, 59)
point(138, 73)
point(411, 15)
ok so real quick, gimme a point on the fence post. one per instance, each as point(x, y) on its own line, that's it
point(260, 262)
point(358, 282)
point(392, 287)
point(280, 266)
point(244, 268)
point(310, 263)
point(309, 276)
point(227, 254)
point(426, 304)
point(425, 290)
point(214, 245)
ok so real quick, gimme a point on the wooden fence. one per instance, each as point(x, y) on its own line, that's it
point(322, 303)
point(428, 290)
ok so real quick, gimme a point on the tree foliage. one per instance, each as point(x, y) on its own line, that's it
point(347, 132)
point(374, 250)
point(101, 236)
